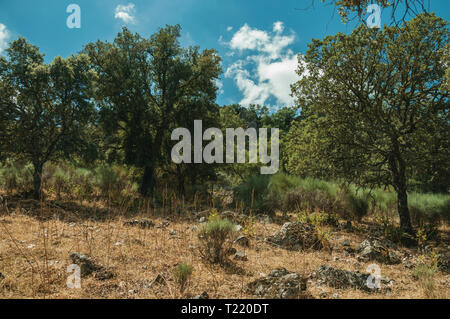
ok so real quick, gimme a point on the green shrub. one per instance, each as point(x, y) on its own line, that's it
point(253, 194)
point(429, 208)
point(215, 236)
point(318, 219)
point(182, 274)
point(16, 177)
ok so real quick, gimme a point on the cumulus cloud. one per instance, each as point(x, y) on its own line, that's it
point(4, 36)
point(266, 67)
point(125, 13)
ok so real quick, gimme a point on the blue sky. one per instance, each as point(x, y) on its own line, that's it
point(258, 40)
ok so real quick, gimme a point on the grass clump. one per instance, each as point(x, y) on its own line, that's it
point(182, 274)
point(424, 272)
point(215, 238)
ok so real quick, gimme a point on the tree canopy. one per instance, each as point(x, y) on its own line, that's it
point(44, 107)
point(373, 106)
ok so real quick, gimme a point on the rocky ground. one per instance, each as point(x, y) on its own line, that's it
point(134, 257)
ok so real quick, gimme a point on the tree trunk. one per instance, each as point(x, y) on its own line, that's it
point(403, 211)
point(180, 177)
point(37, 181)
point(398, 170)
point(148, 181)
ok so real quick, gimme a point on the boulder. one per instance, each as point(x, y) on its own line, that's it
point(296, 236)
point(242, 241)
point(89, 267)
point(342, 279)
point(280, 284)
point(240, 256)
point(376, 251)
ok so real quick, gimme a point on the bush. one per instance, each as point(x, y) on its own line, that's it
point(253, 194)
point(16, 177)
point(318, 219)
point(429, 208)
point(214, 236)
point(182, 274)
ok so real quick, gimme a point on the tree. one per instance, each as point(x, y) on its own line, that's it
point(44, 107)
point(373, 106)
point(145, 86)
point(405, 7)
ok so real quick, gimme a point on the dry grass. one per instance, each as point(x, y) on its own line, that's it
point(34, 255)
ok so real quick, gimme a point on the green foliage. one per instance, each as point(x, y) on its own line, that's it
point(425, 271)
point(318, 219)
point(215, 238)
point(182, 274)
point(148, 87)
point(429, 208)
point(46, 107)
point(252, 193)
point(375, 131)
point(16, 177)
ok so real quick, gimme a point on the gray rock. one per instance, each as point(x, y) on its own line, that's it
point(243, 241)
point(202, 220)
point(237, 228)
point(172, 232)
point(375, 250)
point(89, 267)
point(240, 256)
point(343, 279)
point(296, 236)
point(203, 295)
point(279, 284)
point(143, 223)
point(345, 243)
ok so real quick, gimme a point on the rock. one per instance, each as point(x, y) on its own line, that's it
point(279, 284)
point(345, 243)
point(336, 296)
point(343, 279)
point(375, 250)
point(89, 267)
point(231, 251)
point(296, 236)
point(240, 256)
point(237, 228)
point(163, 224)
point(172, 232)
point(243, 241)
point(202, 220)
point(203, 295)
point(443, 263)
point(143, 223)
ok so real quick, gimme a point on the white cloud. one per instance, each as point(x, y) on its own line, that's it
point(125, 13)
point(267, 66)
point(4, 36)
point(229, 29)
point(278, 27)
